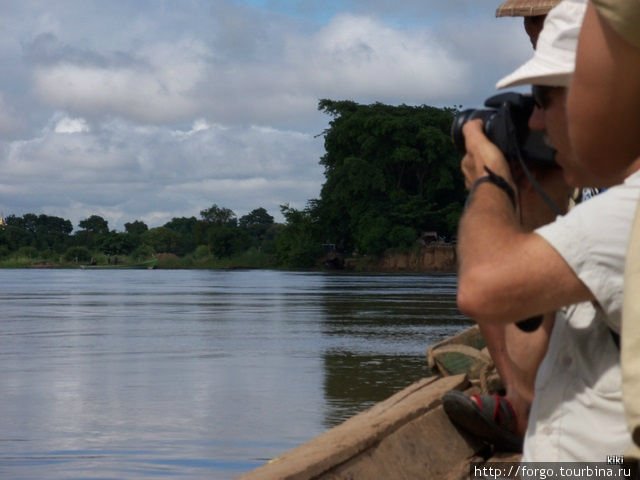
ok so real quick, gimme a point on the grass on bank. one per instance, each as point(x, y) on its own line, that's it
point(200, 259)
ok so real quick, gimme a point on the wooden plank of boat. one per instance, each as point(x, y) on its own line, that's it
point(406, 436)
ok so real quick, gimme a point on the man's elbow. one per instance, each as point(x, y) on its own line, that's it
point(478, 298)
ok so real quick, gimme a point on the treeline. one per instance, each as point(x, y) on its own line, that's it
point(218, 233)
point(391, 173)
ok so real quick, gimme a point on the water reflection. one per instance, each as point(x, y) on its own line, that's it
point(377, 329)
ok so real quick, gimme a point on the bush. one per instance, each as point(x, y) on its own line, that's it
point(28, 252)
point(77, 254)
point(143, 252)
point(202, 251)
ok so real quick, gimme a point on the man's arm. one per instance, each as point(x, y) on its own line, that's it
point(505, 274)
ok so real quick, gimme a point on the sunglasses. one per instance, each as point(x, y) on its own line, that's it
point(542, 95)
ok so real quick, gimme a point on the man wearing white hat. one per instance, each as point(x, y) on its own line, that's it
point(501, 420)
point(573, 266)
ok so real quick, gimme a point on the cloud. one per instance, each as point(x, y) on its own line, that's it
point(155, 173)
point(9, 120)
point(360, 57)
point(157, 89)
point(71, 125)
point(279, 81)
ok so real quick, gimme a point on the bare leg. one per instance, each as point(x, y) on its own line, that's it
point(517, 356)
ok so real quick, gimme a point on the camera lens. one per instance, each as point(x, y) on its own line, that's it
point(463, 117)
point(456, 129)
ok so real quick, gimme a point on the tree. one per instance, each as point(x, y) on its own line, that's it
point(256, 224)
point(15, 236)
point(53, 232)
point(44, 231)
point(164, 240)
point(136, 227)
point(298, 245)
point(218, 215)
point(257, 217)
point(191, 230)
point(95, 224)
point(118, 243)
point(226, 240)
point(391, 172)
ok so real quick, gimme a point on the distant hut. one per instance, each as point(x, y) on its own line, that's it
point(525, 8)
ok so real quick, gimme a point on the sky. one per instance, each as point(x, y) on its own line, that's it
point(154, 109)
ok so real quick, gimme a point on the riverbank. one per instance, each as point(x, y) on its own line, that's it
point(434, 258)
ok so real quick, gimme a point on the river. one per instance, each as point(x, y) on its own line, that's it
point(144, 374)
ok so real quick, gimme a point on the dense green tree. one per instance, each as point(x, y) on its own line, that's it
point(227, 240)
point(299, 244)
point(15, 237)
point(95, 224)
point(118, 243)
point(256, 224)
point(136, 227)
point(218, 215)
point(164, 240)
point(44, 232)
point(183, 225)
point(391, 172)
point(191, 230)
point(258, 217)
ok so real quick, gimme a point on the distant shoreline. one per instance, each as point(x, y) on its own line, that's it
point(433, 258)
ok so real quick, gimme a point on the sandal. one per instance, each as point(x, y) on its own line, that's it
point(492, 418)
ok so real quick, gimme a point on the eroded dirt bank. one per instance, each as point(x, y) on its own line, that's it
point(431, 258)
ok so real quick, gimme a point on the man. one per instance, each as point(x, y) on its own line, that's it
point(573, 265)
point(502, 420)
point(604, 101)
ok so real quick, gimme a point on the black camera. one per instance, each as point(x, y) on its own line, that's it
point(506, 125)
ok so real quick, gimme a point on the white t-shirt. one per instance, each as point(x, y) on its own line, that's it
point(577, 412)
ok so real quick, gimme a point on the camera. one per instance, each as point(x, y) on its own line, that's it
point(505, 123)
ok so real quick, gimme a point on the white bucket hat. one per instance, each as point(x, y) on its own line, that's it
point(554, 59)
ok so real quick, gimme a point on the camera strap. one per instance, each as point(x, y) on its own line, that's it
point(537, 187)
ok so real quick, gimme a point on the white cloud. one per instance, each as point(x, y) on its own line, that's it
point(362, 57)
point(71, 125)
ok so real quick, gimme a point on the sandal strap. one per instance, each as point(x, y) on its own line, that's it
point(499, 408)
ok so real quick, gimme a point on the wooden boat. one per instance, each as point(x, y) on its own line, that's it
point(148, 265)
point(407, 436)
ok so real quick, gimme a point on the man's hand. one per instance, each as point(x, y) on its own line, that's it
point(480, 153)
